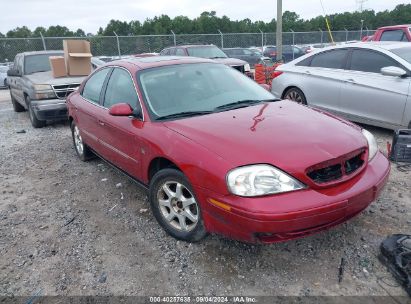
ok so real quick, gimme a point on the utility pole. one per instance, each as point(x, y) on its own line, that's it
point(279, 35)
point(362, 26)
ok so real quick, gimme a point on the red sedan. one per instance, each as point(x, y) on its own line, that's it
point(218, 154)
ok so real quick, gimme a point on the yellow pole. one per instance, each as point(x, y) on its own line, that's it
point(329, 29)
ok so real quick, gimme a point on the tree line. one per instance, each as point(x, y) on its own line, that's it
point(209, 22)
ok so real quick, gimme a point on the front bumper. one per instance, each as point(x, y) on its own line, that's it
point(50, 109)
point(296, 214)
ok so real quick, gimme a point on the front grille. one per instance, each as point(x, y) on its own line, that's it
point(64, 90)
point(353, 164)
point(327, 174)
point(239, 68)
point(341, 169)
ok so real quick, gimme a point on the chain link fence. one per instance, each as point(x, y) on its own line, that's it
point(128, 45)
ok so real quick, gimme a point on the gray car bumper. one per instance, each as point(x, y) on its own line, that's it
point(50, 109)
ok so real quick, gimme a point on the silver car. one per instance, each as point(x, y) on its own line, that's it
point(363, 82)
point(3, 76)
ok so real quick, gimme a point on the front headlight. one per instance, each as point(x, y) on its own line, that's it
point(247, 68)
point(258, 180)
point(372, 144)
point(42, 87)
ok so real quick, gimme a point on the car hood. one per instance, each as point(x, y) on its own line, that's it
point(230, 61)
point(287, 135)
point(47, 78)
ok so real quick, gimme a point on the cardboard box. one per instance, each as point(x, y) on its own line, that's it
point(58, 66)
point(78, 57)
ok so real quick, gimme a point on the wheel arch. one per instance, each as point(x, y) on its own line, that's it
point(288, 88)
point(159, 163)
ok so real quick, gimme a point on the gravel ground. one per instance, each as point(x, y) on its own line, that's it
point(74, 228)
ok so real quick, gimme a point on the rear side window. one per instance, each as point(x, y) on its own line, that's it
point(305, 62)
point(394, 35)
point(180, 52)
point(370, 61)
point(92, 88)
point(334, 59)
point(120, 89)
point(165, 52)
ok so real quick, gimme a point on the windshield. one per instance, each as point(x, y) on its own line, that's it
point(201, 87)
point(206, 52)
point(38, 63)
point(404, 53)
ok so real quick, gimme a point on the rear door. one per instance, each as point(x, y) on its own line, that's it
point(119, 134)
point(323, 78)
point(90, 108)
point(368, 95)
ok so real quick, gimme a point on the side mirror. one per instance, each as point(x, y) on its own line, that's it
point(265, 86)
point(393, 71)
point(121, 109)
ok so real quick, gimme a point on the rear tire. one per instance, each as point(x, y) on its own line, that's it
point(175, 206)
point(295, 94)
point(82, 150)
point(16, 106)
point(36, 123)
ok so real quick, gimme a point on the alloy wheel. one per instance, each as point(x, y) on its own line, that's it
point(178, 206)
point(294, 96)
point(78, 141)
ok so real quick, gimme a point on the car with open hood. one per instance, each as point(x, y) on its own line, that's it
point(219, 154)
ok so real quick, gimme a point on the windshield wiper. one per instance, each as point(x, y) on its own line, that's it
point(241, 104)
point(184, 114)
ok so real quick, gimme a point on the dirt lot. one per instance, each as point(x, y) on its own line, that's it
point(74, 228)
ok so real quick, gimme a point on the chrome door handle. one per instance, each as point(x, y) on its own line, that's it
point(350, 80)
point(308, 72)
point(101, 123)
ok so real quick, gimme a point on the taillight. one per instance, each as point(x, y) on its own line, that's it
point(275, 74)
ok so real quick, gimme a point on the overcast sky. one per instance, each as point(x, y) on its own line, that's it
point(91, 14)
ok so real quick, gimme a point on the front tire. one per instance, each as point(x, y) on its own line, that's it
point(175, 206)
point(82, 150)
point(295, 94)
point(36, 123)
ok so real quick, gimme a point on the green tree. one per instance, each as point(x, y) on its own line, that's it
point(39, 31)
point(58, 31)
point(79, 33)
point(19, 32)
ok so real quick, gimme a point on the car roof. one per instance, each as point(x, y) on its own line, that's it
point(155, 61)
point(377, 45)
point(192, 45)
point(394, 26)
point(42, 52)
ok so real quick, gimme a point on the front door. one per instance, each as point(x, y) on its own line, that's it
point(119, 134)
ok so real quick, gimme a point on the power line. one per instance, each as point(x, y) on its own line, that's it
point(360, 5)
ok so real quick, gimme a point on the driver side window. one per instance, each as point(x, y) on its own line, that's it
point(120, 89)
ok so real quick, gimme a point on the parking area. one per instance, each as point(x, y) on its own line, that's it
point(74, 228)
